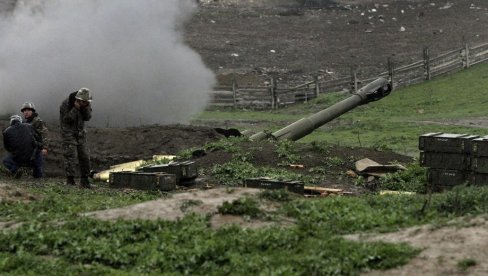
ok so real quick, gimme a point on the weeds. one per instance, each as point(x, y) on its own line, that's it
point(462, 200)
point(279, 195)
point(413, 179)
point(188, 246)
point(234, 173)
point(285, 149)
point(242, 207)
point(465, 264)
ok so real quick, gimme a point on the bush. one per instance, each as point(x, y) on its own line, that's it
point(413, 179)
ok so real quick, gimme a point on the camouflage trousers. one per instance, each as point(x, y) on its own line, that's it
point(72, 148)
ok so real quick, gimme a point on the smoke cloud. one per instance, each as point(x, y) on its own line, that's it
point(130, 53)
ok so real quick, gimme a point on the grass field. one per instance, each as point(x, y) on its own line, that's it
point(54, 238)
point(394, 122)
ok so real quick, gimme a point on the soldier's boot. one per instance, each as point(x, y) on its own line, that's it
point(84, 183)
point(70, 180)
point(18, 174)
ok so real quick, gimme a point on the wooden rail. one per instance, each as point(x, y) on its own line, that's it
point(276, 95)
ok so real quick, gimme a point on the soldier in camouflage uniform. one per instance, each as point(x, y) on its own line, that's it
point(31, 117)
point(74, 111)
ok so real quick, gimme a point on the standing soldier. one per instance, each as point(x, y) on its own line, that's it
point(74, 111)
point(31, 117)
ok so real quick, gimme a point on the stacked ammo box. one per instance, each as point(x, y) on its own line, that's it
point(454, 159)
point(163, 177)
point(479, 161)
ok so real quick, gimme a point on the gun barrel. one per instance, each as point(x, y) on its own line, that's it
point(373, 91)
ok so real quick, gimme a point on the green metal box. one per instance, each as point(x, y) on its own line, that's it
point(480, 146)
point(442, 160)
point(142, 181)
point(185, 171)
point(266, 183)
point(478, 179)
point(446, 142)
point(440, 179)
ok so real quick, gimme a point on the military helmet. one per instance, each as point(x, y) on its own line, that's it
point(28, 105)
point(14, 118)
point(84, 95)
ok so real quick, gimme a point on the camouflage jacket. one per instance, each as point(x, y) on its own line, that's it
point(72, 120)
point(41, 129)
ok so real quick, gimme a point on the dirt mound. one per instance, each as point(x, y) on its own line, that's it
point(442, 248)
point(110, 146)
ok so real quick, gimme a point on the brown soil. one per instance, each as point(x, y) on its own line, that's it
point(110, 146)
point(294, 43)
point(442, 248)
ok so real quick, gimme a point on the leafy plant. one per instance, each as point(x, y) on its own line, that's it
point(234, 172)
point(334, 161)
point(462, 200)
point(229, 144)
point(242, 206)
point(465, 264)
point(285, 149)
point(279, 195)
point(413, 179)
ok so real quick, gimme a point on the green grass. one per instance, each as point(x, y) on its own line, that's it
point(56, 201)
point(393, 123)
point(313, 245)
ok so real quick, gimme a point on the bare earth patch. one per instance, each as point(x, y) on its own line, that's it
point(203, 202)
point(9, 193)
point(442, 248)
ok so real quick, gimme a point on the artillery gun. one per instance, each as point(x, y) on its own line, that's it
point(166, 177)
point(373, 91)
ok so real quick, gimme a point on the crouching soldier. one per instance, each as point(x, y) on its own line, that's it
point(22, 143)
point(73, 113)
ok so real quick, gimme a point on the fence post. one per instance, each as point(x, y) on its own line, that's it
point(466, 55)
point(427, 63)
point(317, 88)
point(391, 71)
point(354, 80)
point(234, 91)
point(306, 92)
point(272, 90)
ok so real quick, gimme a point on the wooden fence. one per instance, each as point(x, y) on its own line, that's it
point(276, 95)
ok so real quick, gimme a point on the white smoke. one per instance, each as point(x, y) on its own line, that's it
point(129, 53)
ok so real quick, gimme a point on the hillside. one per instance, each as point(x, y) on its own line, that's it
point(262, 38)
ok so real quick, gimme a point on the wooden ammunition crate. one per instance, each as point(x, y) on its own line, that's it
point(446, 142)
point(442, 160)
point(184, 171)
point(142, 181)
point(478, 179)
point(480, 146)
point(479, 164)
point(441, 179)
point(266, 183)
